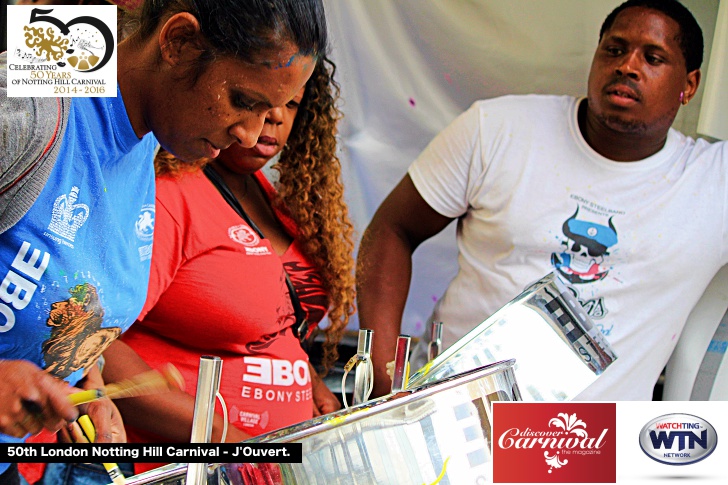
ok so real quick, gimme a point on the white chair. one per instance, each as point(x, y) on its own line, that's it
point(698, 369)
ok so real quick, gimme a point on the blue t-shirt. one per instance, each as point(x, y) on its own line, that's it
point(75, 268)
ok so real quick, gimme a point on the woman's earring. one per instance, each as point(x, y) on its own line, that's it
point(682, 97)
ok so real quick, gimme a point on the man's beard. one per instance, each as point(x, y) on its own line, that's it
point(621, 125)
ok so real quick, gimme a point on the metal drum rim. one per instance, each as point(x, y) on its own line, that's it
point(383, 404)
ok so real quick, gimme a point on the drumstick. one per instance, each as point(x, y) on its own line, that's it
point(90, 437)
point(142, 384)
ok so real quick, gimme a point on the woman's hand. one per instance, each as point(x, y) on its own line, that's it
point(103, 412)
point(324, 401)
point(31, 399)
point(107, 421)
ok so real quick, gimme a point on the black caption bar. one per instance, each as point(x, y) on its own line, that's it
point(151, 453)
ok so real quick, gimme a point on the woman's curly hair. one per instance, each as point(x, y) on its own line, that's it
point(311, 191)
point(167, 164)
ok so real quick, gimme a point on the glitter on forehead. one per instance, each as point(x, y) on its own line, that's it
point(287, 64)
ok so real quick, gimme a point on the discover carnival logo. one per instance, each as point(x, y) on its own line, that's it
point(678, 439)
point(560, 443)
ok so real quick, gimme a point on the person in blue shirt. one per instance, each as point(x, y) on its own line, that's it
point(77, 187)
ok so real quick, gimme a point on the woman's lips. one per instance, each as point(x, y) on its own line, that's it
point(211, 151)
point(266, 147)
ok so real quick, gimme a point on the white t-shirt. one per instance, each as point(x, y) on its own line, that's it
point(639, 241)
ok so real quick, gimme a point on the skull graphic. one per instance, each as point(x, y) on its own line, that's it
point(586, 245)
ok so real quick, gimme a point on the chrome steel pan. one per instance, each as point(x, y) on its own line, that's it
point(558, 350)
point(437, 431)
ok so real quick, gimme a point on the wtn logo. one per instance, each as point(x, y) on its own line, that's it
point(665, 439)
point(678, 439)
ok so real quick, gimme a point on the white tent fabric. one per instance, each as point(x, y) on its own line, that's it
point(409, 67)
point(713, 119)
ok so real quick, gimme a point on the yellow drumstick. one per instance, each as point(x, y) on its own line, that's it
point(111, 468)
point(145, 383)
point(88, 395)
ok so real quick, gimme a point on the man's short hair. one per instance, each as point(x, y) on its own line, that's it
point(691, 35)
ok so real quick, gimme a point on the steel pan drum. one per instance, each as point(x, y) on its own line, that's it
point(558, 350)
point(440, 430)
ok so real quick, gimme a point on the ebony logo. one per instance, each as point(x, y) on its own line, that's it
point(678, 439)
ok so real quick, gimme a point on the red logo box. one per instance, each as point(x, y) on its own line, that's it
point(554, 442)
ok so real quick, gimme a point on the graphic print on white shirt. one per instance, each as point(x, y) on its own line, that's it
point(590, 234)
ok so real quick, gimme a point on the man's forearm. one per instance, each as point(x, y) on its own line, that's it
point(384, 270)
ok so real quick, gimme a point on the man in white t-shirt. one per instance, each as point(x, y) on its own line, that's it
point(631, 213)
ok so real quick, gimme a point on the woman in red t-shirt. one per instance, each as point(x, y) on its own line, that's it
point(218, 284)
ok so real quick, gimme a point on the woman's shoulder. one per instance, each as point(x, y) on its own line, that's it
point(180, 182)
point(184, 190)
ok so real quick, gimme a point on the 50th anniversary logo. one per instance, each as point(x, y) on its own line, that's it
point(62, 51)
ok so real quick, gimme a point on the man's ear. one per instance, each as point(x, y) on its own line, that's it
point(691, 86)
point(179, 39)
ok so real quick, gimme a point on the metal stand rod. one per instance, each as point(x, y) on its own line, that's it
point(435, 345)
point(208, 384)
point(363, 375)
point(401, 364)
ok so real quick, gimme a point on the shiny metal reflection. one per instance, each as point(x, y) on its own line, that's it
point(434, 347)
point(208, 385)
point(558, 350)
point(437, 430)
point(401, 364)
point(363, 372)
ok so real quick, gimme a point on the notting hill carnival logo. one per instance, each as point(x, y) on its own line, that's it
point(61, 51)
point(678, 439)
point(556, 443)
point(243, 235)
point(55, 44)
point(144, 229)
point(144, 225)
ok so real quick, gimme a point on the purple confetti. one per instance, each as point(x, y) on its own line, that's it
point(412, 102)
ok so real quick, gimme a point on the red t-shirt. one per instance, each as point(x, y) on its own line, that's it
point(216, 288)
